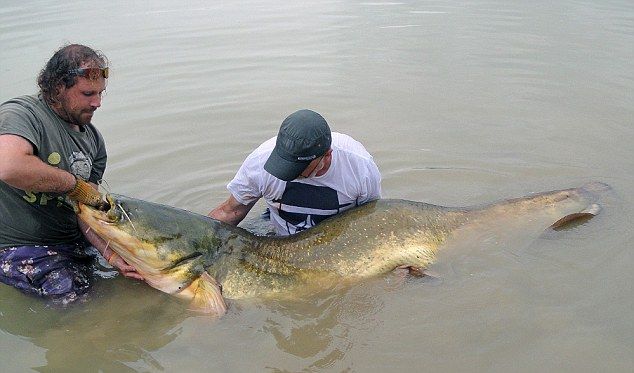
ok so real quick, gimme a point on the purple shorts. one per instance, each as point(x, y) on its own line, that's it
point(58, 272)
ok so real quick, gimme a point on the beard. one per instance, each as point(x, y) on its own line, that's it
point(73, 115)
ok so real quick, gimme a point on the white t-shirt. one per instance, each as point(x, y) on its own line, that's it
point(351, 180)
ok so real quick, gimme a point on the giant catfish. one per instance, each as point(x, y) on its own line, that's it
point(207, 261)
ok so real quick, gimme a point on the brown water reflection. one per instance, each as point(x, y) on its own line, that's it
point(107, 332)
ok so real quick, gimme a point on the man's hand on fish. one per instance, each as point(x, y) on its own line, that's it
point(87, 194)
point(111, 257)
point(117, 261)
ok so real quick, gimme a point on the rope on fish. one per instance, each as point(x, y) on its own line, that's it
point(113, 255)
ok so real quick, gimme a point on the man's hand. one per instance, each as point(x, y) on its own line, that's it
point(83, 192)
point(231, 211)
point(116, 261)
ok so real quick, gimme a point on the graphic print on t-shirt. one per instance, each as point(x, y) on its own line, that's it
point(80, 165)
point(303, 205)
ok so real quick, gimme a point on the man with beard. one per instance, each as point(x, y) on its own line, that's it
point(50, 153)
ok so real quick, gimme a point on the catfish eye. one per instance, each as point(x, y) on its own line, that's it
point(114, 213)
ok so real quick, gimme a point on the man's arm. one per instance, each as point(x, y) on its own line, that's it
point(231, 211)
point(21, 169)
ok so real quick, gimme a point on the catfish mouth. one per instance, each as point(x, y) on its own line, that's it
point(109, 227)
point(109, 216)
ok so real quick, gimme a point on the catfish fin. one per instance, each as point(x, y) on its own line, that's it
point(207, 296)
point(589, 212)
point(423, 272)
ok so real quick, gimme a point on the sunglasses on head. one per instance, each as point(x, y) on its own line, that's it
point(91, 72)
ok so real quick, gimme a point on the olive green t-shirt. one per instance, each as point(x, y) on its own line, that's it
point(29, 218)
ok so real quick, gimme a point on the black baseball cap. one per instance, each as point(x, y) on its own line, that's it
point(304, 136)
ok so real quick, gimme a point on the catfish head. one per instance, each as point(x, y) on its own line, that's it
point(167, 246)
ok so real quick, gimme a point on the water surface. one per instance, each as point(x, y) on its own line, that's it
point(460, 102)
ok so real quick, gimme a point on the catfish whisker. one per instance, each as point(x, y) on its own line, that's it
point(127, 216)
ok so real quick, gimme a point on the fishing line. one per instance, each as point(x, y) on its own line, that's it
point(105, 187)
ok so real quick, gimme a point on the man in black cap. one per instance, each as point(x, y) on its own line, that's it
point(306, 174)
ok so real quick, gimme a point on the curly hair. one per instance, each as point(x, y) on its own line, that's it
point(58, 69)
